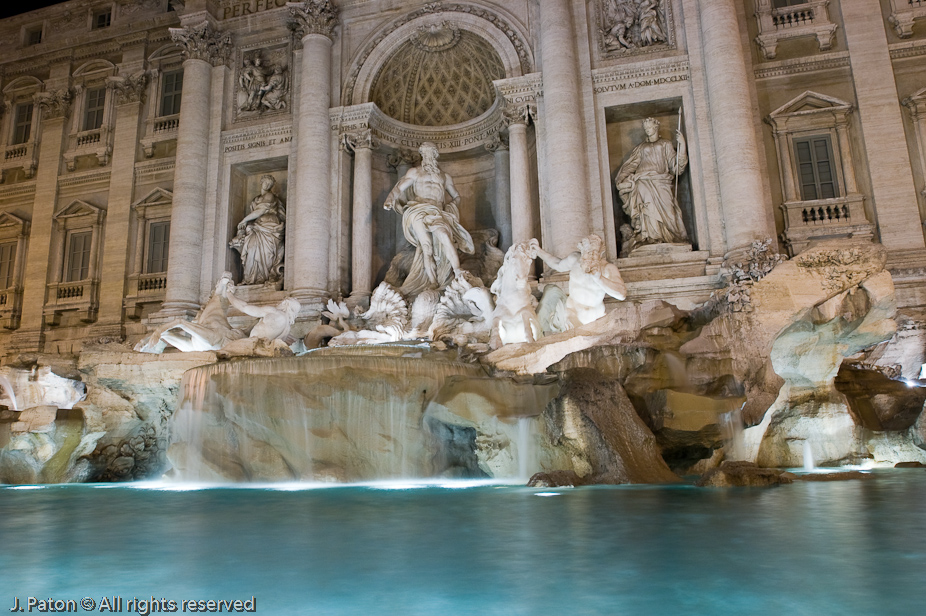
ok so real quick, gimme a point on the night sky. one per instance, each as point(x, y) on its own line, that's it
point(8, 8)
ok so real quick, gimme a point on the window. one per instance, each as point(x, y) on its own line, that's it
point(170, 92)
point(814, 157)
point(780, 4)
point(78, 263)
point(102, 19)
point(7, 263)
point(22, 123)
point(33, 36)
point(158, 239)
point(93, 113)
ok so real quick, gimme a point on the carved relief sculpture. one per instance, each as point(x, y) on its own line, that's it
point(632, 24)
point(431, 223)
point(646, 184)
point(260, 236)
point(591, 277)
point(260, 87)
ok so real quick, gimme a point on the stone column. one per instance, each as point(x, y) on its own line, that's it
point(893, 192)
point(402, 161)
point(565, 168)
point(55, 107)
point(309, 215)
point(736, 145)
point(501, 205)
point(128, 97)
point(203, 46)
point(522, 220)
point(361, 143)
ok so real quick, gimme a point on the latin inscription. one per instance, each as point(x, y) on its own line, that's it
point(249, 7)
point(260, 143)
point(616, 87)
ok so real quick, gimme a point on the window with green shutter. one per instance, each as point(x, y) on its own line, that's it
point(78, 264)
point(815, 169)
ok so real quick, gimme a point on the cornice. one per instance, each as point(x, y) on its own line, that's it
point(821, 62)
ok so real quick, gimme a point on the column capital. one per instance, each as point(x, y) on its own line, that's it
point(519, 113)
point(203, 42)
point(358, 140)
point(499, 142)
point(314, 17)
point(403, 157)
point(56, 104)
point(129, 88)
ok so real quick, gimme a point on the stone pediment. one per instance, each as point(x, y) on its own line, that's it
point(11, 225)
point(811, 102)
point(94, 67)
point(23, 84)
point(158, 196)
point(79, 208)
point(810, 111)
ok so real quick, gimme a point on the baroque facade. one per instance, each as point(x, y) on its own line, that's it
point(148, 146)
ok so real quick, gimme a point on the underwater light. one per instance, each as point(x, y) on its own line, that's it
point(547, 494)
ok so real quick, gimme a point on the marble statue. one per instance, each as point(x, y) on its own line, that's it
point(514, 319)
point(431, 223)
point(208, 331)
point(591, 277)
point(646, 184)
point(260, 236)
point(275, 321)
point(272, 92)
point(387, 320)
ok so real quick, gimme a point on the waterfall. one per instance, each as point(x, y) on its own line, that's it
point(528, 448)
point(731, 427)
point(7, 388)
point(321, 416)
point(808, 457)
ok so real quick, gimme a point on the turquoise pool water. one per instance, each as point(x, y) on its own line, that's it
point(810, 548)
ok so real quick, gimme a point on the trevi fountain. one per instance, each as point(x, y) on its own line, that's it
point(506, 407)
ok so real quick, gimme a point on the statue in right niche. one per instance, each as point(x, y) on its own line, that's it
point(646, 184)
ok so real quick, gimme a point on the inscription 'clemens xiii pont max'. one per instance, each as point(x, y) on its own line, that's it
point(248, 7)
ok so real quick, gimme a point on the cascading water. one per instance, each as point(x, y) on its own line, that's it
point(340, 417)
point(808, 457)
point(528, 448)
point(7, 388)
point(731, 427)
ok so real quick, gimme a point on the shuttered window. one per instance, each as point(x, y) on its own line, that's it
point(22, 123)
point(158, 240)
point(170, 93)
point(93, 114)
point(78, 265)
point(815, 169)
point(7, 263)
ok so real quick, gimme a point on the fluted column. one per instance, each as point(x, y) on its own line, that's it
point(522, 220)
point(501, 204)
point(736, 145)
point(361, 143)
point(310, 213)
point(565, 167)
point(202, 46)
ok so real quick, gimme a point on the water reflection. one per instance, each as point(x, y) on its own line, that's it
point(809, 548)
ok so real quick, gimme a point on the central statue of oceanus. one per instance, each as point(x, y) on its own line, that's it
point(431, 223)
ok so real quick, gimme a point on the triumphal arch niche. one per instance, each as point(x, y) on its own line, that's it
point(458, 77)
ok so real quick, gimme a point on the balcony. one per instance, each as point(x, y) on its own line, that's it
point(144, 289)
point(11, 301)
point(806, 221)
point(159, 130)
point(903, 13)
point(21, 155)
point(67, 296)
point(778, 24)
point(96, 142)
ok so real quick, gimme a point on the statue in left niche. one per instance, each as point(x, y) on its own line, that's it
point(261, 87)
point(260, 236)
